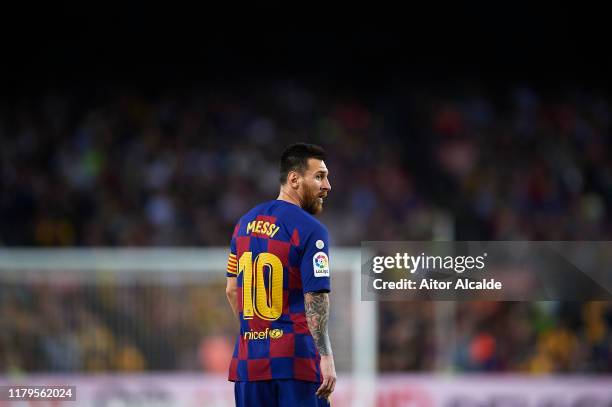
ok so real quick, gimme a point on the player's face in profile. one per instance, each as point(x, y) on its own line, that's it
point(315, 186)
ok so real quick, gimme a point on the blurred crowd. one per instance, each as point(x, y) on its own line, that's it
point(114, 327)
point(538, 338)
point(179, 169)
point(119, 167)
point(48, 326)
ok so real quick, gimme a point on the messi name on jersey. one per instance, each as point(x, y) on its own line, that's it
point(262, 228)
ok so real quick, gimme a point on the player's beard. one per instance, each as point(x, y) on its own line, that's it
point(311, 202)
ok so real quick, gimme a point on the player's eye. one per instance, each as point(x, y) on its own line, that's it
point(319, 177)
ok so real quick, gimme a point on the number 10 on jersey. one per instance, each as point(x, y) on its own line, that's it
point(267, 302)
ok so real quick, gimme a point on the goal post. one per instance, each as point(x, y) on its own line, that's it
point(353, 323)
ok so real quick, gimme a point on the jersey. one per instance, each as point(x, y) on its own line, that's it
point(278, 252)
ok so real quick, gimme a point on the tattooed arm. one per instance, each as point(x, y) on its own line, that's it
point(317, 314)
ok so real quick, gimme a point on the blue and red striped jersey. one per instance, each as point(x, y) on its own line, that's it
point(278, 253)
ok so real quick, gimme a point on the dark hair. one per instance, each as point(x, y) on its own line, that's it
point(295, 158)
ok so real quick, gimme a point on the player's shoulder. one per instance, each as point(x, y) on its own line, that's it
point(255, 211)
point(310, 227)
point(301, 218)
point(291, 215)
point(315, 224)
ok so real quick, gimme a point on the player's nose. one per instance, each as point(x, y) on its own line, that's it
point(327, 185)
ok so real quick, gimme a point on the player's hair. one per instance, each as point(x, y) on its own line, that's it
point(295, 158)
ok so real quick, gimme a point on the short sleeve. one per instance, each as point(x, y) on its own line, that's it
point(315, 262)
point(232, 261)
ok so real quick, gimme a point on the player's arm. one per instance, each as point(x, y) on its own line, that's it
point(317, 314)
point(231, 290)
point(316, 284)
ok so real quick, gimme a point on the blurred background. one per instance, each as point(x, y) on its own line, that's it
point(148, 128)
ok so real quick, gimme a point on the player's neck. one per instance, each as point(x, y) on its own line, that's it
point(289, 196)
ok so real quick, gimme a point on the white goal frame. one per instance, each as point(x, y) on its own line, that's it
point(23, 264)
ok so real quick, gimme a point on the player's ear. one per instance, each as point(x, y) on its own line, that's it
point(293, 179)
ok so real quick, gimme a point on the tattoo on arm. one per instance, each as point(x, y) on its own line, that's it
point(317, 314)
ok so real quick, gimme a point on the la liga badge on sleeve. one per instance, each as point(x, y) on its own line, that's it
point(320, 264)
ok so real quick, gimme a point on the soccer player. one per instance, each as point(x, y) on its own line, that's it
point(278, 287)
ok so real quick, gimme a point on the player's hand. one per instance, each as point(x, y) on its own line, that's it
point(328, 373)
